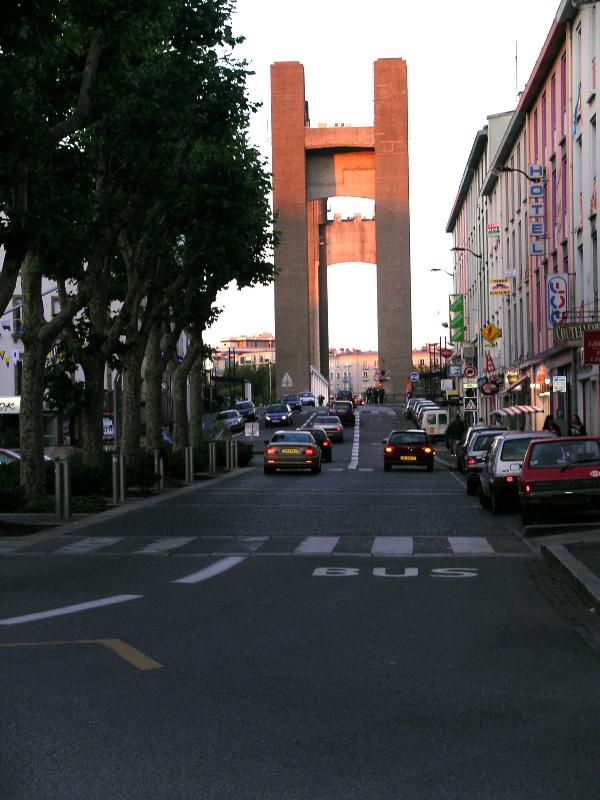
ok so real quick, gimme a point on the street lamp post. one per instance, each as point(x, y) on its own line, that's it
point(441, 269)
point(465, 250)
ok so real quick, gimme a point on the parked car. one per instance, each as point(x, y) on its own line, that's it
point(475, 454)
point(358, 400)
point(293, 401)
point(8, 456)
point(434, 422)
point(307, 399)
point(344, 410)
point(410, 406)
point(292, 450)
point(232, 419)
point(322, 439)
point(499, 478)
point(460, 447)
point(331, 425)
point(410, 448)
point(418, 407)
point(277, 415)
point(560, 474)
point(247, 409)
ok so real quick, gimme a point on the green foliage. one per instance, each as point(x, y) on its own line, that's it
point(11, 493)
point(63, 393)
point(45, 504)
point(139, 471)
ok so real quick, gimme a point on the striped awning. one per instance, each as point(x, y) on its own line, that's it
point(511, 411)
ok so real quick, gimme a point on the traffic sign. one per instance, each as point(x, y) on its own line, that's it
point(286, 381)
point(414, 376)
point(470, 404)
point(470, 371)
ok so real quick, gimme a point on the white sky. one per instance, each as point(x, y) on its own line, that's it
point(461, 68)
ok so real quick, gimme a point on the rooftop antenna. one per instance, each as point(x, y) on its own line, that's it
point(517, 70)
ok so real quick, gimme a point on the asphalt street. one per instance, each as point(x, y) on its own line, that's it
point(350, 634)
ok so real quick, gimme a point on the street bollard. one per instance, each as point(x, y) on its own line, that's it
point(115, 479)
point(58, 489)
point(121, 477)
point(228, 455)
point(191, 449)
point(188, 472)
point(67, 487)
point(235, 453)
point(157, 469)
point(212, 459)
point(162, 474)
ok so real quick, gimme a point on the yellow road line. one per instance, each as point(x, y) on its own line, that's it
point(125, 651)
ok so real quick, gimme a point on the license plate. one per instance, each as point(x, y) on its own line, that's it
point(290, 451)
point(408, 458)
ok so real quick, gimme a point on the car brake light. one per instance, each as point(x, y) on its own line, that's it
point(389, 449)
point(471, 461)
point(271, 451)
point(309, 451)
point(338, 429)
point(527, 488)
point(510, 479)
point(427, 450)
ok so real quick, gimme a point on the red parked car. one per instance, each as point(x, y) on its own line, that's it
point(561, 474)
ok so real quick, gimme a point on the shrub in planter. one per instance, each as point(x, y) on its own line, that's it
point(244, 453)
point(87, 504)
point(139, 470)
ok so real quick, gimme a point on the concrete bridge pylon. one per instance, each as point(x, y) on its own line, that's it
point(311, 165)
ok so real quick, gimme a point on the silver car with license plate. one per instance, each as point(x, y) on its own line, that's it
point(332, 426)
point(499, 478)
point(292, 450)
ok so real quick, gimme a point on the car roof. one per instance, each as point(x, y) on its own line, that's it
point(408, 430)
point(530, 435)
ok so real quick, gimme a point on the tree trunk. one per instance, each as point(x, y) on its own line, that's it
point(93, 433)
point(132, 382)
point(197, 402)
point(153, 374)
point(180, 410)
point(33, 471)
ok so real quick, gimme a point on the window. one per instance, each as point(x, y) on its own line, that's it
point(17, 327)
point(55, 306)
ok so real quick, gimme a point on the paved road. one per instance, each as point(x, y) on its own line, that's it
point(354, 634)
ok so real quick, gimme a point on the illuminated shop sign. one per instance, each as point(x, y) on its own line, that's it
point(537, 228)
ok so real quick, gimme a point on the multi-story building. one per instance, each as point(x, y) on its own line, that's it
point(526, 238)
point(353, 370)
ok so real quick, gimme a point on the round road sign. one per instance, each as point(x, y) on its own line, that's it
point(469, 371)
point(414, 376)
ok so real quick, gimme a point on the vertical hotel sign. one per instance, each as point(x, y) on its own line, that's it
point(537, 227)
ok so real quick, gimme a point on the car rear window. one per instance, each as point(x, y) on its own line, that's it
point(483, 441)
point(514, 449)
point(325, 420)
point(562, 454)
point(409, 438)
point(292, 436)
point(341, 405)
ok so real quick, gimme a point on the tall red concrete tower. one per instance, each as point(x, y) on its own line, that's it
point(311, 165)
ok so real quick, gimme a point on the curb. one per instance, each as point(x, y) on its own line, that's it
point(585, 580)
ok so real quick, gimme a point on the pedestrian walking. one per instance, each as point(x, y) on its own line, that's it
point(551, 425)
point(576, 426)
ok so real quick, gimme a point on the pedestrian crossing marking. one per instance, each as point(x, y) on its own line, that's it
point(317, 545)
point(470, 544)
point(165, 545)
point(89, 545)
point(288, 545)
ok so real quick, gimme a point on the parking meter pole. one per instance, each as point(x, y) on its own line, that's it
point(212, 459)
point(157, 469)
point(58, 490)
point(121, 477)
point(188, 471)
point(115, 479)
point(67, 487)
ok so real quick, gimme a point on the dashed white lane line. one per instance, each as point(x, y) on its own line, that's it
point(165, 545)
point(214, 569)
point(473, 545)
point(89, 545)
point(355, 444)
point(59, 612)
point(317, 545)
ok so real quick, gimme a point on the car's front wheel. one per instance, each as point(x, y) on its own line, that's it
point(471, 486)
point(316, 469)
point(527, 516)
